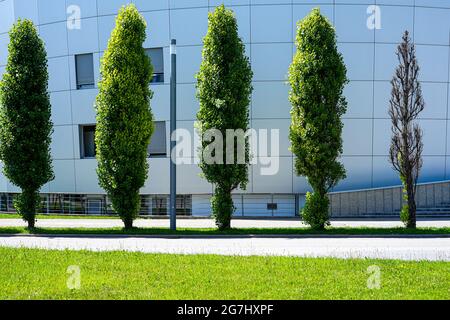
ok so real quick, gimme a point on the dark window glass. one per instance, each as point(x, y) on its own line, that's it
point(88, 142)
point(156, 55)
point(157, 146)
point(84, 64)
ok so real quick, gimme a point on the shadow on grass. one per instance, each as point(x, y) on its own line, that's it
point(238, 233)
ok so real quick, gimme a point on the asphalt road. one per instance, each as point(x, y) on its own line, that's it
point(208, 223)
point(431, 249)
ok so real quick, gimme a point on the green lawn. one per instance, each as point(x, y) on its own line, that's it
point(49, 217)
point(39, 274)
point(243, 231)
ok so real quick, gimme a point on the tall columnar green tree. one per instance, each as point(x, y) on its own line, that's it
point(224, 89)
point(317, 77)
point(25, 125)
point(124, 117)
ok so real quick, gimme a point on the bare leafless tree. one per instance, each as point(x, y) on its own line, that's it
point(405, 105)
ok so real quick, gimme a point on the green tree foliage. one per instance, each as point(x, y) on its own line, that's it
point(25, 125)
point(317, 77)
point(224, 89)
point(124, 117)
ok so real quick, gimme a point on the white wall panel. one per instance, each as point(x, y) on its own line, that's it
point(271, 61)
point(4, 41)
point(188, 63)
point(62, 147)
point(383, 174)
point(189, 180)
point(359, 173)
point(435, 96)
point(281, 182)
point(7, 13)
point(86, 177)
point(145, 5)
point(282, 125)
point(189, 26)
point(157, 29)
point(228, 2)
point(351, 23)
point(158, 181)
point(399, 2)
point(358, 58)
point(55, 38)
point(26, 9)
point(51, 11)
point(433, 137)
point(368, 2)
point(433, 169)
point(382, 96)
point(382, 137)
point(188, 105)
point(108, 7)
point(394, 22)
point(431, 24)
point(359, 95)
point(85, 39)
point(106, 25)
point(386, 61)
point(174, 4)
point(160, 102)
point(271, 100)
point(88, 8)
point(61, 110)
point(357, 135)
point(83, 106)
point(262, 28)
point(433, 61)
point(58, 70)
point(64, 176)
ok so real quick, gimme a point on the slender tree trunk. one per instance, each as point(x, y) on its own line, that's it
point(223, 207)
point(27, 207)
point(412, 224)
point(128, 222)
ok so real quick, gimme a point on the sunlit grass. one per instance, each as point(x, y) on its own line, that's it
point(40, 274)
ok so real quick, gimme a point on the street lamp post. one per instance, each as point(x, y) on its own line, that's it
point(173, 128)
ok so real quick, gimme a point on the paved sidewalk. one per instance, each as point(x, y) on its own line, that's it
point(208, 223)
point(434, 249)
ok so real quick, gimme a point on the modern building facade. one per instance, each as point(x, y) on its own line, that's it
point(76, 34)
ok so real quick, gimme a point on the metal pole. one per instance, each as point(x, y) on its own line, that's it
point(173, 128)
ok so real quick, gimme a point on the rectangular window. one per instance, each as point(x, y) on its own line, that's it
point(87, 142)
point(156, 55)
point(84, 65)
point(158, 146)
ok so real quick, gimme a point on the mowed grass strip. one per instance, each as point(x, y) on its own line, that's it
point(7, 216)
point(40, 274)
point(232, 232)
